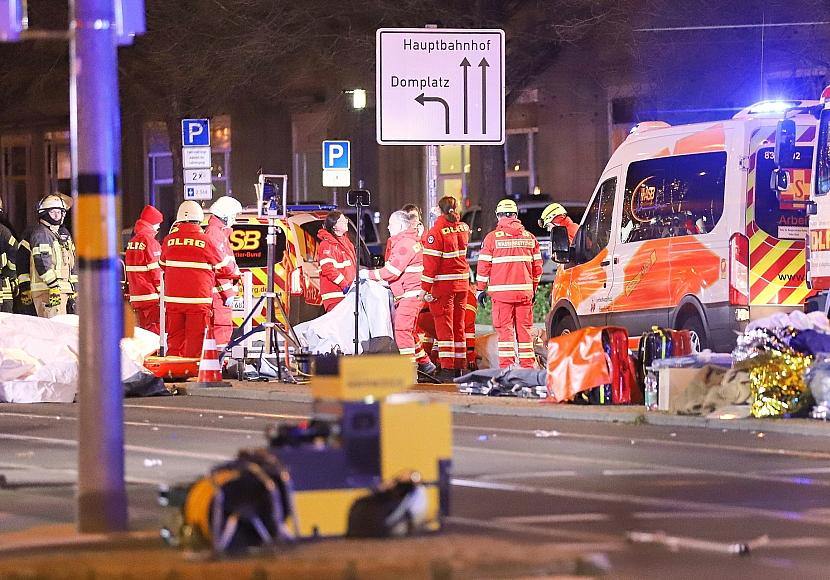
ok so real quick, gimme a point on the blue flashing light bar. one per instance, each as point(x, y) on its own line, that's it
point(311, 207)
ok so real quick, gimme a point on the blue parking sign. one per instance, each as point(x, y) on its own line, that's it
point(195, 132)
point(336, 155)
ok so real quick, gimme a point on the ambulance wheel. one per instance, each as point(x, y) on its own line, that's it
point(694, 325)
point(563, 324)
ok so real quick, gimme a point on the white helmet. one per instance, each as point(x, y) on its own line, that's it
point(226, 208)
point(190, 211)
point(51, 201)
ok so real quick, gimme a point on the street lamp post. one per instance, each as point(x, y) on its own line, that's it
point(95, 137)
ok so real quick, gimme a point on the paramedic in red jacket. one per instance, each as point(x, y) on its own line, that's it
point(509, 268)
point(219, 229)
point(143, 270)
point(403, 268)
point(338, 263)
point(445, 281)
point(191, 265)
point(426, 330)
point(555, 214)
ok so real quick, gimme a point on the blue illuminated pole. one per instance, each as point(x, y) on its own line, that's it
point(95, 137)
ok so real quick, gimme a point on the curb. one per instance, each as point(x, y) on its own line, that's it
point(630, 415)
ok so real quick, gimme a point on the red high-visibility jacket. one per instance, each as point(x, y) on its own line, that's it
point(445, 256)
point(142, 264)
point(404, 265)
point(192, 264)
point(510, 264)
point(220, 234)
point(338, 265)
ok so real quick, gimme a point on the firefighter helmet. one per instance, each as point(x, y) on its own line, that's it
point(190, 211)
point(507, 206)
point(550, 213)
point(226, 209)
point(47, 204)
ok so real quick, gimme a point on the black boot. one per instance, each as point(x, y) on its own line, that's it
point(445, 375)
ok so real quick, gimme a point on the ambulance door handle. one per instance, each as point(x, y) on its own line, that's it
point(605, 263)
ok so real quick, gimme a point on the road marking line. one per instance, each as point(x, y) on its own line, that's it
point(584, 495)
point(654, 471)
point(217, 411)
point(67, 471)
point(148, 424)
point(554, 519)
point(638, 465)
point(675, 515)
point(664, 442)
point(804, 471)
point(593, 540)
point(528, 475)
point(133, 448)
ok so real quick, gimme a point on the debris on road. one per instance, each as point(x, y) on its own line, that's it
point(676, 543)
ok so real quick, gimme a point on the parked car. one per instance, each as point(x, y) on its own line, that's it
point(530, 210)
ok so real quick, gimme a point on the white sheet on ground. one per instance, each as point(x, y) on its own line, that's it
point(335, 329)
point(39, 358)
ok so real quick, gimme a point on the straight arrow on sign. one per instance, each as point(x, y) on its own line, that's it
point(483, 64)
point(465, 64)
point(422, 99)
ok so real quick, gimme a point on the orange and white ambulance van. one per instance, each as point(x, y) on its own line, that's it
point(685, 230)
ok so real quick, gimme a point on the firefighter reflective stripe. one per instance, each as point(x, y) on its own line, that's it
point(409, 294)
point(180, 264)
point(507, 259)
point(223, 262)
point(335, 263)
point(459, 276)
point(509, 287)
point(23, 278)
point(447, 255)
point(480, 278)
point(146, 268)
point(144, 298)
point(50, 277)
point(331, 295)
point(391, 268)
point(185, 300)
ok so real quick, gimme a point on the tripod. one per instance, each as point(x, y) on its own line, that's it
point(358, 198)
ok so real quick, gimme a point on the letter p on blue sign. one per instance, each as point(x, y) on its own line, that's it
point(195, 132)
point(336, 155)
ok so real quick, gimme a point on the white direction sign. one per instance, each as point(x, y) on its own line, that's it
point(440, 86)
point(337, 178)
point(195, 157)
point(197, 176)
point(193, 191)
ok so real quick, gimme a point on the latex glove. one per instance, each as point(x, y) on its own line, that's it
point(54, 297)
point(71, 305)
point(481, 297)
point(429, 297)
point(26, 298)
point(346, 289)
point(363, 274)
point(229, 302)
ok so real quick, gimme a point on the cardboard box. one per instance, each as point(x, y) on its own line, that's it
point(671, 383)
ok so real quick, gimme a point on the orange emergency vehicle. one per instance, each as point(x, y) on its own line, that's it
point(685, 230)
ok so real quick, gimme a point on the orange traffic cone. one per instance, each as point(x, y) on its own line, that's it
point(210, 370)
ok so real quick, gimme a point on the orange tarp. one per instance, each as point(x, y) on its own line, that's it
point(576, 362)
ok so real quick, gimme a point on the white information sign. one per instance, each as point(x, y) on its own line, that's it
point(197, 175)
point(193, 191)
point(337, 178)
point(440, 86)
point(195, 157)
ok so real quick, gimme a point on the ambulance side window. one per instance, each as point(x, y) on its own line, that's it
point(679, 195)
point(597, 222)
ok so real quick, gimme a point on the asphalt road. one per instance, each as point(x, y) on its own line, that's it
point(579, 484)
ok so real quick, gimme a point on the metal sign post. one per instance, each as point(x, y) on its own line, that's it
point(358, 198)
